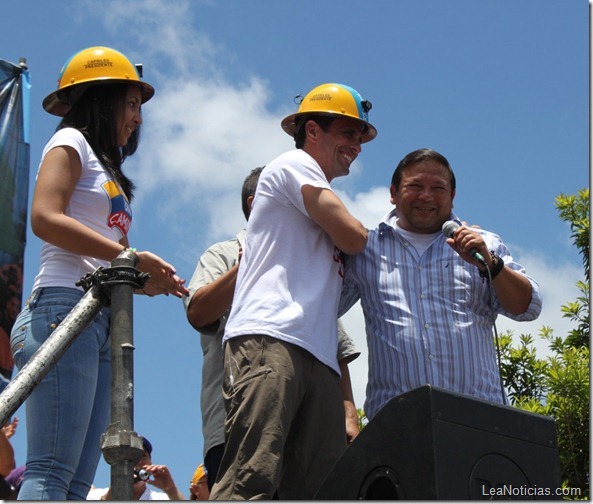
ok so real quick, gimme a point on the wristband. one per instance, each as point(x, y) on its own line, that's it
point(495, 269)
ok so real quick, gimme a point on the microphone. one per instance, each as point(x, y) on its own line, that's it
point(449, 228)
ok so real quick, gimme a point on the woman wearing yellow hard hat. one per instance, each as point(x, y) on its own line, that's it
point(81, 211)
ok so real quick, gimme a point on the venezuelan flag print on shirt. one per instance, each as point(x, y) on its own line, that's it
point(120, 214)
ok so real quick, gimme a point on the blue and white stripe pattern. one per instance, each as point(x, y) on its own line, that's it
point(428, 318)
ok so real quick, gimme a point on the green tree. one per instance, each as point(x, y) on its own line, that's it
point(575, 210)
point(558, 385)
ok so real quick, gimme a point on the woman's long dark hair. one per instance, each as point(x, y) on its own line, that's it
point(95, 114)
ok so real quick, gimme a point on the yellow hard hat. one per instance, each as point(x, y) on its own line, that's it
point(199, 474)
point(333, 100)
point(92, 66)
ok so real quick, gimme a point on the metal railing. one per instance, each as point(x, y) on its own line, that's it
point(121, 446)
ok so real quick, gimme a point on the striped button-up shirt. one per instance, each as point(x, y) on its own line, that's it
point(428, 317)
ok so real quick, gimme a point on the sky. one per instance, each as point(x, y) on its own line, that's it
point(500, 87)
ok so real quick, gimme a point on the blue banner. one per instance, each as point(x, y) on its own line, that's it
point(15, 91)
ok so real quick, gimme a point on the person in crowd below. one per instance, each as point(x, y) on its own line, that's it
point(8, 469)
point(160, 477)
point(198, 486)
point(7, 459)
point(429, 300)
point(284, 425)
point(81, 211)
point(211, 294)
point(15, 480)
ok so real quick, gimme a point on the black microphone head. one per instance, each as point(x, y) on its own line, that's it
point(449, 228)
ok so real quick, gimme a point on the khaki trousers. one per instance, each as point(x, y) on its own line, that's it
point(284, 426)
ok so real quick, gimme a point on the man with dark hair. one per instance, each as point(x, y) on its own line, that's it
point(285, 425)
point(156, 475)
point(208, 307)
point(428, 300)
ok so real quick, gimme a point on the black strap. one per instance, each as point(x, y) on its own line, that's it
point(495, 268)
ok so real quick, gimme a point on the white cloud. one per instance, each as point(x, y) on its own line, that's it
point(558, 286)
point(203, 132)
point(161, 31)
point(204, 139)
point(207, 135)
point(369, 207)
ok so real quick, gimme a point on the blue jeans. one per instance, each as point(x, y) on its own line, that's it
point(69, 410)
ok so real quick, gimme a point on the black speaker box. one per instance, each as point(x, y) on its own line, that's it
point(433, 444)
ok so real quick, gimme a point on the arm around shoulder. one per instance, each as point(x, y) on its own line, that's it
point(328, 211)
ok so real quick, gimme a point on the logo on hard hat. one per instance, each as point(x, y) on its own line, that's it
point(321, 97)
point(97, 63)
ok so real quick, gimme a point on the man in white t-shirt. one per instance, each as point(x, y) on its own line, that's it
point(208, 306)
point(284, 426)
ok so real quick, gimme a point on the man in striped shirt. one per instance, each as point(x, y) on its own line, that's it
point(429, 304)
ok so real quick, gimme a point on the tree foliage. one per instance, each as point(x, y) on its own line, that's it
point(575, 210)
point(558, 385)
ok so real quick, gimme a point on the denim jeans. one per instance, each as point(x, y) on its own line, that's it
point(69, 410)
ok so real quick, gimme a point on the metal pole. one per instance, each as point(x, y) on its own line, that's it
point(121, 446)
point(48, 354)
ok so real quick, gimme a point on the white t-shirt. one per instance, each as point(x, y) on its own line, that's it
point(420, 241)
point(148, 494)
point(290, 275)
point(98, 202)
